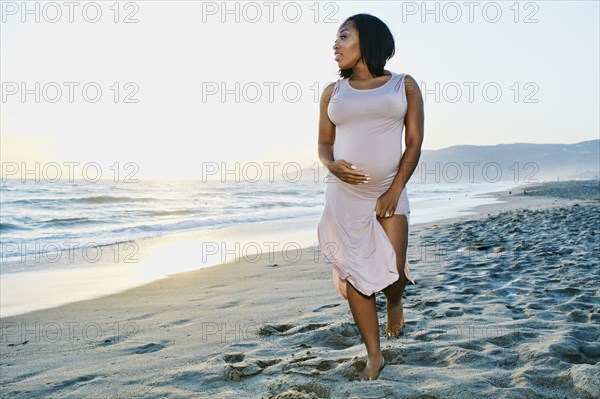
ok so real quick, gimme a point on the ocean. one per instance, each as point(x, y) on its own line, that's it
point(40, 217)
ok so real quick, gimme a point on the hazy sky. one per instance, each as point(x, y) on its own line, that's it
point(170, 68)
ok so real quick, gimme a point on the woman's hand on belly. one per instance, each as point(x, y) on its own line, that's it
point(375, 158)
point(342, 169)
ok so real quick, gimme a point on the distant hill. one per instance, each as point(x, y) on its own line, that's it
point(518, 162)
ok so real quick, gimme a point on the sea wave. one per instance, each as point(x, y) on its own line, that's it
point(12, 227)
point(59, 221)
point(177, 212)
point(98, 199)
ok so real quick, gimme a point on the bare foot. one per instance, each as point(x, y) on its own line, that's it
point(372, 369)
point(395, 319)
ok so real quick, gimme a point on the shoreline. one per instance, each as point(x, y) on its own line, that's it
point(124, 266)
point(492, 322)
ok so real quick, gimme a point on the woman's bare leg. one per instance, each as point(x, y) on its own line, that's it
point(396, 228)
point(365, 317)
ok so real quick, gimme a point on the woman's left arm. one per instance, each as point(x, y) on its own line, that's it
point(414, 124)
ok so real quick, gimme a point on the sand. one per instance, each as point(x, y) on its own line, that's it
point(506, 305)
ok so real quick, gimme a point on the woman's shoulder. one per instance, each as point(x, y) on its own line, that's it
point(329, 89)
point(411, 87)
point(407, 77)
point(409, 80)
point(331, 86)
point(399, 76)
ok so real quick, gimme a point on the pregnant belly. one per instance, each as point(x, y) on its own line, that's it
point(377, 156)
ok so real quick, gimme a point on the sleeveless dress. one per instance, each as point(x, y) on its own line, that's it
point(369, 125)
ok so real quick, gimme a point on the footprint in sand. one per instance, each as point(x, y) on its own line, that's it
point(143, 316)
point(233, 357)
point(81, 380)
point(149, 348)
point(322, 308)
point(271, 329)
point(430, 335)
point(238, 370)
point(578, 347)
point(511, 339)
point(312, 390)
point(337, 336)
point(176, 323)
point(263, 364)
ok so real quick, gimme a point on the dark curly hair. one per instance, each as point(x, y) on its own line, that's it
point(376, 43)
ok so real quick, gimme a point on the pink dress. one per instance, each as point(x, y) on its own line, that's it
point(369, 125)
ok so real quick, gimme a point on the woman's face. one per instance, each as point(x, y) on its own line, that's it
point(347, 46)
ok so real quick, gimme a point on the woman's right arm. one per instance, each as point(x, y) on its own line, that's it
point(326, 128)
point(341, 168)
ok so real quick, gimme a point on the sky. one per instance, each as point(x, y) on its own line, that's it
point(170, 89)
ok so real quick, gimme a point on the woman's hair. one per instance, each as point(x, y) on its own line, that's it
point(376, 43)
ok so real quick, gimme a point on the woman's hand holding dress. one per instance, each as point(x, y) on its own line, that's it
point(387, 202)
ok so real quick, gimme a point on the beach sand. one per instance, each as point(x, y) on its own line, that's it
point(506, 305)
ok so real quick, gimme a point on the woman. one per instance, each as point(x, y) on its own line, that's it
point(364, 226)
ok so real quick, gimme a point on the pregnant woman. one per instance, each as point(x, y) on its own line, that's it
point(363, 230)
